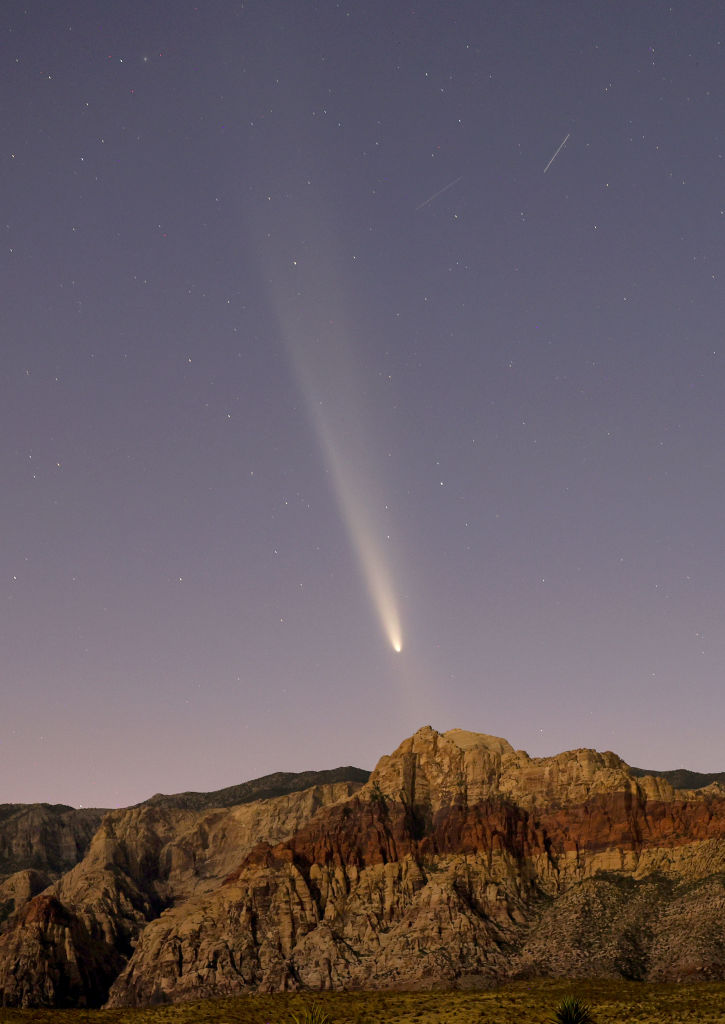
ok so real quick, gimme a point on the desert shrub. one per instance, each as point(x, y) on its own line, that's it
point(313, 1014)
point(572, 1011)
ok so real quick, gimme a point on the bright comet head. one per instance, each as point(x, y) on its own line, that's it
point(325, 356)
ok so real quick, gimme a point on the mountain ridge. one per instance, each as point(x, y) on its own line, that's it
point(452, 863)
point(276, 783)
point(265, 787)
point(683, 778)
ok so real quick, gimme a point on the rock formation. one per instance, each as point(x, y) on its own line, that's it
point(38, 842)
point(44, 837)
point(459, 862)
point(66, 945)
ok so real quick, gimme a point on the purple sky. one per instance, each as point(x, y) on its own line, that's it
point(248, 362)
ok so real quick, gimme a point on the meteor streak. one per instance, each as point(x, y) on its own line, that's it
point(557, 153)
point(438, 193)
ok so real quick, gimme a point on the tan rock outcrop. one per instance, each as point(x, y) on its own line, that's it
point(140, 861)
point(456, 863)
point(18, 889)
point(460, 861)
point(44, 837)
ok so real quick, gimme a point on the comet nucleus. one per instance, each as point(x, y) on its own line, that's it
point(327, 367)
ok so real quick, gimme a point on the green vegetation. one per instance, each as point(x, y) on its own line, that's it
point(572, 1011)
point(313, 1014)
point(530, 1002)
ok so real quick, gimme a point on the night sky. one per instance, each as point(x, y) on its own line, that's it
point(310, 350)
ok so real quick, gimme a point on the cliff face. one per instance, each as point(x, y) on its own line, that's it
point(44, 837)
point(66, 945)
point(460, 861)
point(38, 842)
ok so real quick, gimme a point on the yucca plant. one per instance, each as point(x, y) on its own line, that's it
point(313, 1014)
point(572, 1011)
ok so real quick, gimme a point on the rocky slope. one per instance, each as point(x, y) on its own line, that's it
point(265, 788)
point(460, 861)
point(38, 843)
point(65, 946)
point(44, 837)
point(681, 778)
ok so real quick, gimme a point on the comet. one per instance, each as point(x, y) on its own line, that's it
point(329, 381)
point(359, 521)
point(322, 353)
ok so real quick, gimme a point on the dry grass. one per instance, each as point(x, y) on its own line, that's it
point(613, 1002)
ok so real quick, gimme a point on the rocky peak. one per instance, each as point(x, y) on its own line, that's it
point(459, 858)
point(434, 770)
point(479, 741)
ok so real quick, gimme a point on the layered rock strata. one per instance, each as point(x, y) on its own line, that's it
point(460, 862)
point(44, 837)
point(38, 843)
point(67, 945)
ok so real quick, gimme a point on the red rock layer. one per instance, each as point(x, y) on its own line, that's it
point(455, 864)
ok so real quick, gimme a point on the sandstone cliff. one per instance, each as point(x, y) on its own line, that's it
point(38, 842)
point(44, 837)
point(65, 946)
point(461, 861)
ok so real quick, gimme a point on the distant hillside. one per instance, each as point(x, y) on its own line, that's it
point(266, 788)
point(52, 838)
point(682, 778)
